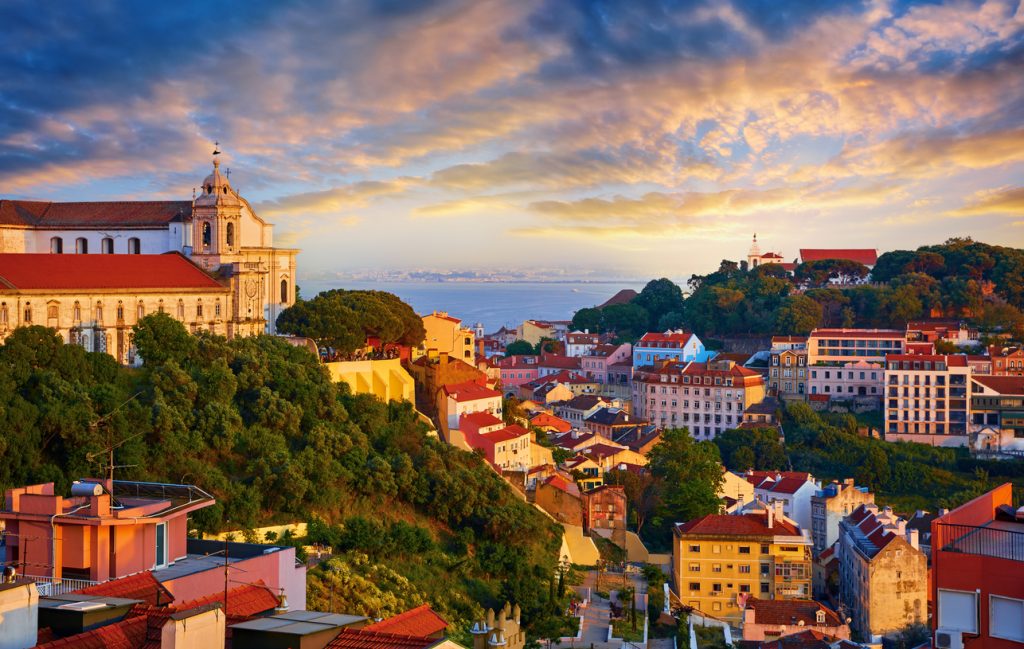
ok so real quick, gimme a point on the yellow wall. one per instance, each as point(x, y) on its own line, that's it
point(385, 379)
point(447, 336)
point(719, 560)
point(736, 487)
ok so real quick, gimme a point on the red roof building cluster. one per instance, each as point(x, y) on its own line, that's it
point(129, 633)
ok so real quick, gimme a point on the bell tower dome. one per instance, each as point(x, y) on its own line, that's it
point(216, 215)
point(754, 256)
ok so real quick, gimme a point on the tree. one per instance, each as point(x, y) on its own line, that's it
point(660, 297)
point(628, 321)
point(160, 338)
point(689, 475)
point(344, 319)
point(519, 348)
point(821, 272)
point(742, 459)
point(798, 315)
point(588, 319)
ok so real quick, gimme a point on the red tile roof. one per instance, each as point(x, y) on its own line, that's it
point(652, 337)
point(366, 639)
point(787, 485)
point(421, 621)
point(544, 420)
point(511, 431)
point(560, 362)
point(244, 601)
point(469, 391)
point(1002, 384)
point(443, 316)
point(741, 525)
point(567, 440)
point(809, 639)
point(791, 611)
point(480, 419)
point(560, 483)
point(866, 256)
point(126, 634)
point(142, 586)
point(23, 272)
point(625, 296)
point(94, 214)
point(602, 450)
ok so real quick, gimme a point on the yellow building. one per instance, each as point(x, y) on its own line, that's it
point(385, 379)
point(735, 487)
point(446, 335)
point(532, 331)
point(721, 558)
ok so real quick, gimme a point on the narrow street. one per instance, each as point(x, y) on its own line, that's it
point(596, 617)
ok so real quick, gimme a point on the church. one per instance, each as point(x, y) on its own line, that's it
point(91, 270)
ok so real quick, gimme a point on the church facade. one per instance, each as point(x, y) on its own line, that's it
point(92, 269)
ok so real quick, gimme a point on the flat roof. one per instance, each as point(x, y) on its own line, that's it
point(300, 622)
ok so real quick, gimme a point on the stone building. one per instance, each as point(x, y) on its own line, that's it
point(217, 231)
point(830, 505)
point(501, 631)
point(883, 575)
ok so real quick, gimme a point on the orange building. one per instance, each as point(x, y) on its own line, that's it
point(105, 530)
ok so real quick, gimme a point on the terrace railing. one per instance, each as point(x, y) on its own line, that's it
point(982, 541)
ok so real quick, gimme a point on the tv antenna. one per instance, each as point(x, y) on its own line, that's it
point(111, 444)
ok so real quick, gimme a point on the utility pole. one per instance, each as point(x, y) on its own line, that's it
point(226, 574)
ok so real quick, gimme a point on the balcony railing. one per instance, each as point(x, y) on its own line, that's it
point(983, 541)
point(48, 586)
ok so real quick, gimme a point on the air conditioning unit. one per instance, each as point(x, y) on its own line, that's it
point(947, 639)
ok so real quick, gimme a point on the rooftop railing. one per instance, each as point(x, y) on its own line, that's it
point(982, 541)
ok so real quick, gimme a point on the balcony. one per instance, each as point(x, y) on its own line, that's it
point(988, 541)
point(49, 587)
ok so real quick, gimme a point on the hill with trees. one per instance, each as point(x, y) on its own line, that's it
point(258, 423)
point(960, 278)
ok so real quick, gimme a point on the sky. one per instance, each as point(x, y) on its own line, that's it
point(634, 138)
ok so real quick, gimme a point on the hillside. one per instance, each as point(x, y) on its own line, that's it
point(259, 424)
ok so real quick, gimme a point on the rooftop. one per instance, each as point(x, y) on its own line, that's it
point(419, 621)
point(28, 272)
point(94, 213)
point(866, 256)
point(470, 391)
point(791, 611)
point(754, 524)
point(366, 639)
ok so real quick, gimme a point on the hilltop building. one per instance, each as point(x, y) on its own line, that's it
point(756, 258)
point(446, 335)
point(232, 280)
point(677, 346)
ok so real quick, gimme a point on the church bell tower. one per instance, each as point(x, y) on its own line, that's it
point(216, 218)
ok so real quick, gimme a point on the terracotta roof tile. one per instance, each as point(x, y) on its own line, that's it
point(783, 611)
point(76, 272)
point(470, 391)
point(866, 256)
point(244, 601)
point(545, 420)
point(745, 524)
point(126, 634)
point(421, 621)
point(94, 214)
point(366, 639)
point(480, 419)
point(142, 586)
point(1002, 384)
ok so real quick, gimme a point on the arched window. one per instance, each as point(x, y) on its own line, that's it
point(160, 306)
point(199, 309)
point(134, 247)
point(207, 235)
point(56, 245)
point(140, 311)
point(120, 310)
point(76, 312)
point(107, 246)
point(229, 235)
point(181, 309)
point(284, 291)
point(52, 312)
point(81, 246)
point(28, 314)
point(99, 312)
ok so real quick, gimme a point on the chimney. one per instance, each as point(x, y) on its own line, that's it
point(913, 539)
point(770, 514)
point(201, 627)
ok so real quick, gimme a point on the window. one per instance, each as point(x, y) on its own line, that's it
point(694, 567)
point(107, 246)
point(199, 309)
point(140, 311)
point(134, 246)
point(181, 309)
point(1006, 618)
point(216, 309)
point(958, 611)
point(695, 548)
point(716, 567)
point(120, 311)
point(76, 312)
point(744, 549)
point(695, 585)
point(744, 588)
point(229, 235)
point(284, 291)
point(28, 313)
point(207, 236)
point(3, 313)
point(52, 312)
point(56, 245)
point(744, 570)
point(81, 246)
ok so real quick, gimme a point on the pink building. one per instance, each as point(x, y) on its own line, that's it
point(516, 370)
point(596, 363)
point(102, 531)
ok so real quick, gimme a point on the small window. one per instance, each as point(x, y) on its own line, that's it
point(76, 312)
point(229, 233)
point(120, 311)
point(216, 309)
point(3, 313)
point(56, 246)
point(28, 313)
point(134, 246)
point(99, 312)
point(1006, 618)
point(207, 235)
point(199, 309)
point(107, 246)
point(81, 246)
point(140, 311)
point(181, 309)
point(52, 312)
